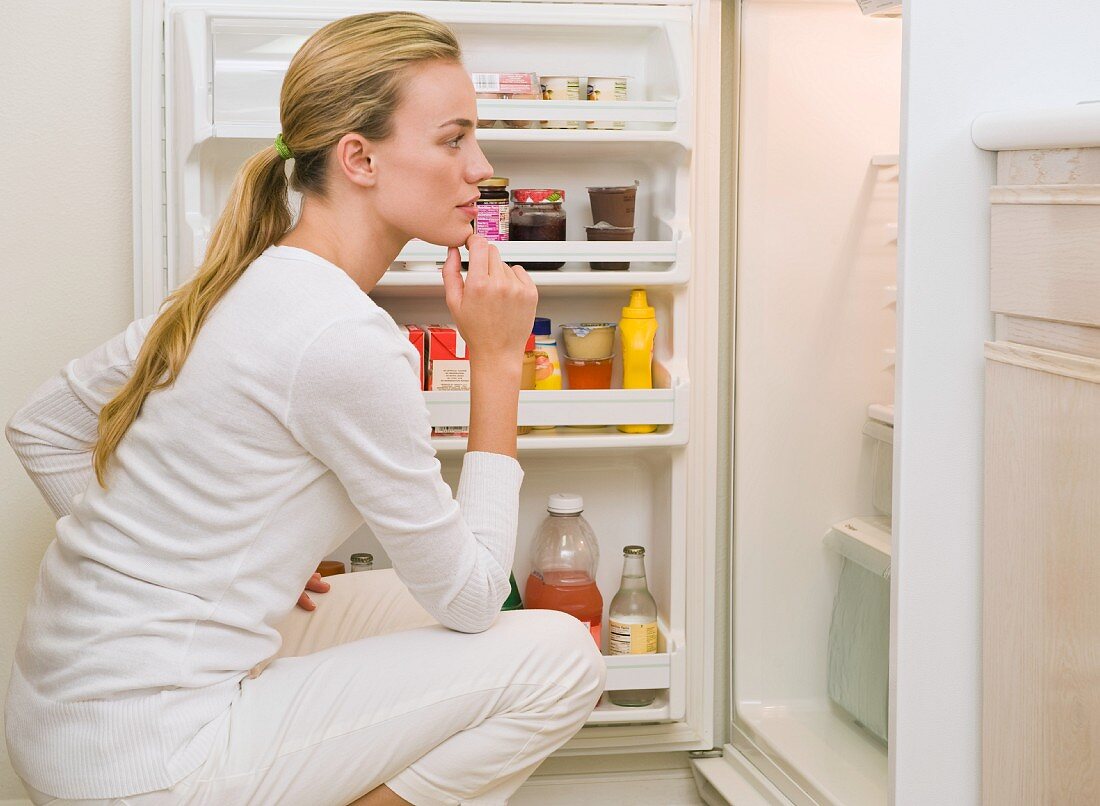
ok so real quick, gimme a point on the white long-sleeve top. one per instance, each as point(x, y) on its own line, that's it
point(296, 417)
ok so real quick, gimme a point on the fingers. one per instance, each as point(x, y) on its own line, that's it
point(452, 279)
point(479, 257)
point(305, 602)
point(317, 584)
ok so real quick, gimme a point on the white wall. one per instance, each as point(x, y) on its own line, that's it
point(65, 236)
point(962, 59)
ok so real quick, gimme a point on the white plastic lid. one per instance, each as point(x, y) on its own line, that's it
point(565, 504)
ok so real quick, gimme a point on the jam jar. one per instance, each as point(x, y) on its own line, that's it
point(537, 215)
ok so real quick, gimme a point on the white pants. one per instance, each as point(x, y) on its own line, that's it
point(364, 692)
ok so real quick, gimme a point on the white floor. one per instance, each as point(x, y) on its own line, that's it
point(834, 756)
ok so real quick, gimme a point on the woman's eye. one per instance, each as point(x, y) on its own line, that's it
point(454, 143)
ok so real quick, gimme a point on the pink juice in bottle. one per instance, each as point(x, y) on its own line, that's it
point(565, 558)
point(569, 592)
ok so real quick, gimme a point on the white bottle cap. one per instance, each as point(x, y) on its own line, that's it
point(565, 504)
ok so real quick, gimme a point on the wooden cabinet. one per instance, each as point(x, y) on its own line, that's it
point(1041, 583)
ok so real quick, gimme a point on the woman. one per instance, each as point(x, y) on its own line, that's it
point(242, 434)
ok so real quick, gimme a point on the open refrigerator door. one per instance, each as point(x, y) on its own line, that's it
point(209, 94)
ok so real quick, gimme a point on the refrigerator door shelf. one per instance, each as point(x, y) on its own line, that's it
point(634, 141)
point(674, 251)
point(578, 406)
point(664, 671)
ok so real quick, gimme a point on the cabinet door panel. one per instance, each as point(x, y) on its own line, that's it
point(1041, 641)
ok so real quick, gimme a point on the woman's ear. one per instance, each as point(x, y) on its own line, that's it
point(356, 158)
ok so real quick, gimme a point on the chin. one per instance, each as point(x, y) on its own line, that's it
point(449, 236)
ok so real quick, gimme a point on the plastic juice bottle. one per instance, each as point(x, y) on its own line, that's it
point(632, 628)
point(565, 560)
point(636, 330)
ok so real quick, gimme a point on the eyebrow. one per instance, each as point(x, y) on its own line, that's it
point(463, 122)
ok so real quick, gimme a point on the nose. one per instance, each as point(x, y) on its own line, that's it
point(479, 167)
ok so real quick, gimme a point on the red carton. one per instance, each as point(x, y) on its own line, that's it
point(448, 369)
point(448, 361)
point(415, 335)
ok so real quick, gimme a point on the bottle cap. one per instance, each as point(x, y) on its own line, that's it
point(493, 182)
point(362, 557)
point(639, 307)
point(565, 504)
point(633, 551)
point(542, 326)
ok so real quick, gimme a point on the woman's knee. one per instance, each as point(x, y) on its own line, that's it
point(566, 641)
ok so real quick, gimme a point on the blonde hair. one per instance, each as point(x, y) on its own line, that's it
point(346, 77)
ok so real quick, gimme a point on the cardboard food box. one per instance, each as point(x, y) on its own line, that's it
point(415, 335)
point(448, 369)
point(448, 361)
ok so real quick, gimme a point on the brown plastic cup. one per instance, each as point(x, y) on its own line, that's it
point(615, 205)
point(610, 234)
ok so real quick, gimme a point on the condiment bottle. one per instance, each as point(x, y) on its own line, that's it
point(632, 628)
point(547, 377)
point(362, 562)
point(565, 560)
point(637, 329)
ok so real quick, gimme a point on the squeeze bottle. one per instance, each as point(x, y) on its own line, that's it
point(636, 330)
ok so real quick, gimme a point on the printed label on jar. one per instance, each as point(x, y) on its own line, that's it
point(632, 639)
point(492, 222)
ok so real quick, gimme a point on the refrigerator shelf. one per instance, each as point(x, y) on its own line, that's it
point(567, 439)
point(264, 131)
point(600, 407)
point(674, 251)
point(627, 111)
point(423, 283)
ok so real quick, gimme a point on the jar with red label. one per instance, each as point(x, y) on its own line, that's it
point(537, 215)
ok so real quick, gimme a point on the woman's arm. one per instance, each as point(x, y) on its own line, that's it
point(356, 405)
point(55, 431)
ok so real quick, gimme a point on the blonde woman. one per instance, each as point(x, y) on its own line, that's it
point(202, 463)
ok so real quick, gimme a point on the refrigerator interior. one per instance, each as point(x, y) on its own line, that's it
point(816, 309)
point(223, 66)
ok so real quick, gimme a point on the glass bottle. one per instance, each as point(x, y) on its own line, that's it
point(362, 562)
point(632, 628)
point(565, 560)
point(513, 602)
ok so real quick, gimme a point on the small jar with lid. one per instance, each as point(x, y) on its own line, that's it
point(537, 215)
point(362, 562)
point(492, 209)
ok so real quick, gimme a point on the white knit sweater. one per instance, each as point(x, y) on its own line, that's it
point(297, 416)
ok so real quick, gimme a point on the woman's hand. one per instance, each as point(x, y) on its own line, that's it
point(315, 584)
point(495, 307)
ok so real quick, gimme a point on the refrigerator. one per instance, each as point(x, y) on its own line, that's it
point(763, 135)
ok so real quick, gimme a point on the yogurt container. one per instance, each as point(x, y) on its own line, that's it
point(591, 340)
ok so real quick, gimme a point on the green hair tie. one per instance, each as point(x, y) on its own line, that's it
point(283, 148)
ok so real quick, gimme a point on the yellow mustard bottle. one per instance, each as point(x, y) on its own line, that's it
point(636, 330)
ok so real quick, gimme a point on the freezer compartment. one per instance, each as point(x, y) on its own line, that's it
point(240, 58)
